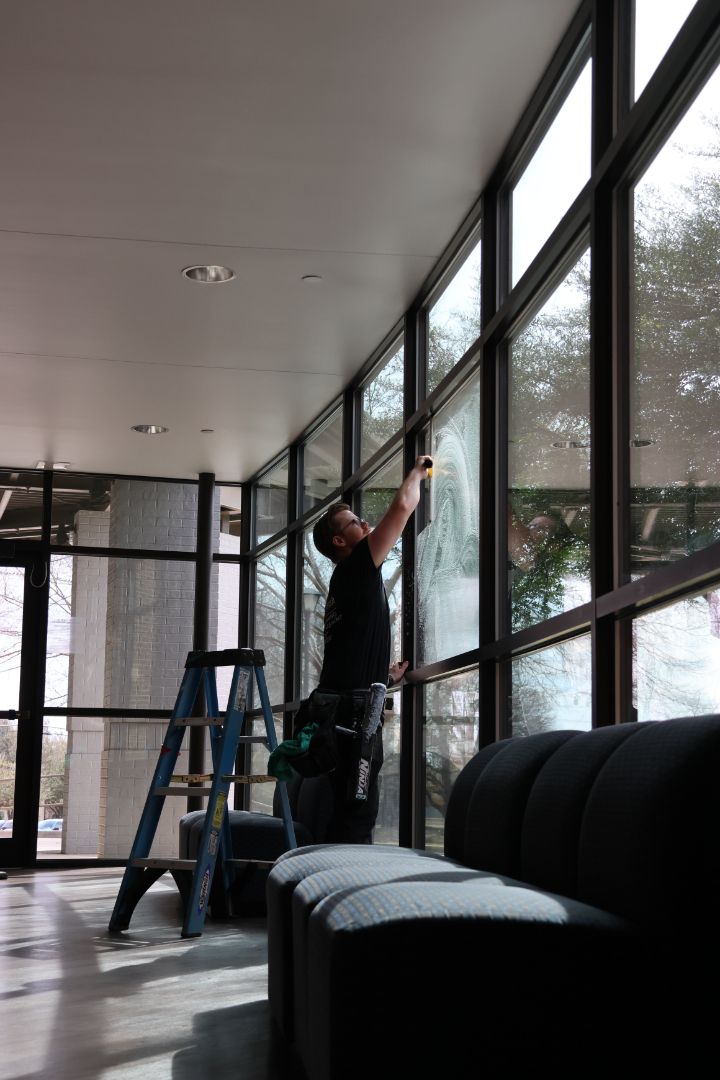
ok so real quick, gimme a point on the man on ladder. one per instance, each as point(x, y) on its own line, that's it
point(357, 646)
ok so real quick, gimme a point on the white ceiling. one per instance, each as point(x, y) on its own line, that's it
point(345, 138)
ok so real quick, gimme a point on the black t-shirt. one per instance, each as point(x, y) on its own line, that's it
point(357, 624)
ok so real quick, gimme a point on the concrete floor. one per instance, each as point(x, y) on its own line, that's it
point(78, 1003)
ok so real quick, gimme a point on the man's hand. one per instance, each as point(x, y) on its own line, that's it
point(397, 671)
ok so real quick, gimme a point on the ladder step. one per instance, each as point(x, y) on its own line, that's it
point(199, 721)
point(242, 778)
point(190, 778)
point(186, 789)
point(255, 862)
point(166, 864)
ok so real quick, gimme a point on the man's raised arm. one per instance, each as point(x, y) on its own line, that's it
point(388, 530)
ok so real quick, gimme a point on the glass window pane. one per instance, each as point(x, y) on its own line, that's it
point(657, 23)
point(322, 462)
point(549, 456)
point(388, 819)
point(262, 795)
point(21, 496)
point(317, 571)
point(676, 654)
point(224, 619)
point(447, 550)
point(228, 540)
point(551, 689)
point(270, 606)
point(98, 511)
point(52, 790)
point(450, 734)
point(271, 501)
point(555, 175)
point(375, 498)
point(454, 319)
point(382, 405)
point(12, 587)
point(119, 631)
point(675, 397)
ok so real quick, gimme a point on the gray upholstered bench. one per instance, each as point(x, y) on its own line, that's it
point(581, 870)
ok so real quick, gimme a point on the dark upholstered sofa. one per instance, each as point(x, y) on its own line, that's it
point(571, 924)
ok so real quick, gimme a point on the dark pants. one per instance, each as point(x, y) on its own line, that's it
point(353, 821)
point(335, 750)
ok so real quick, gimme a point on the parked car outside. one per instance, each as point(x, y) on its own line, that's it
point(51, 824)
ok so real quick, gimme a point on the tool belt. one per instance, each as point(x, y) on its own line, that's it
point(346, 726)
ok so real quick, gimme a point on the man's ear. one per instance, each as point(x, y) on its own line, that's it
point(338, 540)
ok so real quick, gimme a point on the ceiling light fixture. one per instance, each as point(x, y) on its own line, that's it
point(150, 429)
point(311, 279)
point(642, 442)
point(209, 275)
point(60, 465)
point(207, 431)
point(570, 444)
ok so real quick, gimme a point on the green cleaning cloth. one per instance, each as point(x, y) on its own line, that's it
point(280, 760)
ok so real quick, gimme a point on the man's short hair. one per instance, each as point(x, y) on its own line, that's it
point(324, 531)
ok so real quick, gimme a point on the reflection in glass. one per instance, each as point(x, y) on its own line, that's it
point(454, 319)
point(21, 496)
point(555, 175)
point(322, 462)
point(388, 819)
point(657, 23)
point(270, 605)
point(549, 456)
point(447, 551)
point(382, 405)
point(551, 689)
point(99, 511)
point(317, 571)
point(12, 587)
point(676, 653)
point(271, 496)
point(675, 398)
point(450, 734)
point(375, 498)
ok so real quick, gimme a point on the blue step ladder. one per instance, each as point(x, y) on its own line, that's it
point(194, 877)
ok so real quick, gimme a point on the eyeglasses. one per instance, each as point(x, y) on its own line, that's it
point(360, 522)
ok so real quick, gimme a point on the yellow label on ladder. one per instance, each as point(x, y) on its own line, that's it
point(219, 810)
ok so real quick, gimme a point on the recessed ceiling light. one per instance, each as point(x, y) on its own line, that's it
point(642, 442)
point(150, 429)
point(311, 279)
point(209, 275)
point(207, 431)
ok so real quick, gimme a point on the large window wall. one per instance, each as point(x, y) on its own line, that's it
point(560, 364)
